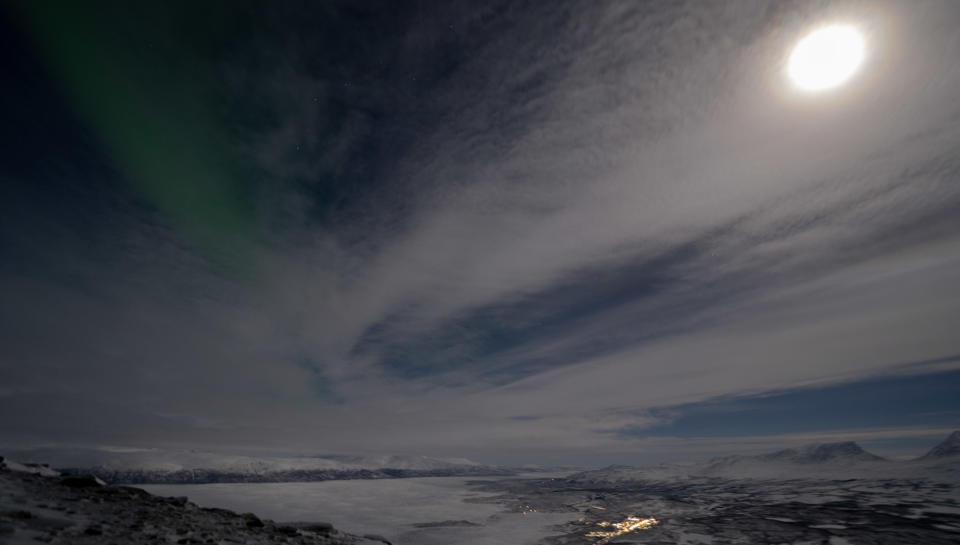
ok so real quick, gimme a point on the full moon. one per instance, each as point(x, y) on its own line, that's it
point(826, 58)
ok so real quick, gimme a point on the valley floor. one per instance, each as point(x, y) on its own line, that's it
point(556, 510)
point(720, 511)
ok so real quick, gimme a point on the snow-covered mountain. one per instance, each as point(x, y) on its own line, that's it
point(826, 459)
point(949, 448)
point(822, 452)
point(423, 463)
point(189, 466)
point(843, 460)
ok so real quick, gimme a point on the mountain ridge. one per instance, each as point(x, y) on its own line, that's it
point(815, 453)
point(837, 460)
point(154, 466)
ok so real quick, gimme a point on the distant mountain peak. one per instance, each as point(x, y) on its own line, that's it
point(822, 452)
point(948, 447)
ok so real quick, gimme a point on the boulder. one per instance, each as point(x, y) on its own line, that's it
point(82, 481)
point(178, 500)
point(287, 530)
point(319, 527)
point(252, 521)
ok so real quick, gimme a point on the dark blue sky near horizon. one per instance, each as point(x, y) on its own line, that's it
point(894, 401)
point(508, 231)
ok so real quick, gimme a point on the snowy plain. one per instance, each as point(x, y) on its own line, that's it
point(415, 511)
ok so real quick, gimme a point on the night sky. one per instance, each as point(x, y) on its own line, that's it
point(573, 232)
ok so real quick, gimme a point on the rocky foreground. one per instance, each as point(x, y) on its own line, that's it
point(39, 506)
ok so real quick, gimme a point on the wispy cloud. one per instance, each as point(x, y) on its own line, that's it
point(586, 212)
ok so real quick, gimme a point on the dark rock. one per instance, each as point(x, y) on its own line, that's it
point(252, 521)
point(319, 527)
point(287, 530)
point(135, 492)
point(20, 515)
point(178, 500)
point(445, 524)
point(376, 537)
point(218, 511)
point(82, 481)
point(93, 531)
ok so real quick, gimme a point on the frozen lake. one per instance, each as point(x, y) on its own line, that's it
point(390, 507)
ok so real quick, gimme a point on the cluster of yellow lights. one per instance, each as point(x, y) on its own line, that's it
point(527, 509)
point(630, 524)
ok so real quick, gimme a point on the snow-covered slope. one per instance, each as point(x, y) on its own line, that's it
point(949, 448)
point(37, 469)
point(40, 507)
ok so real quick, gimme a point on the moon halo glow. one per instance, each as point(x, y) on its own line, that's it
point(825, 58)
